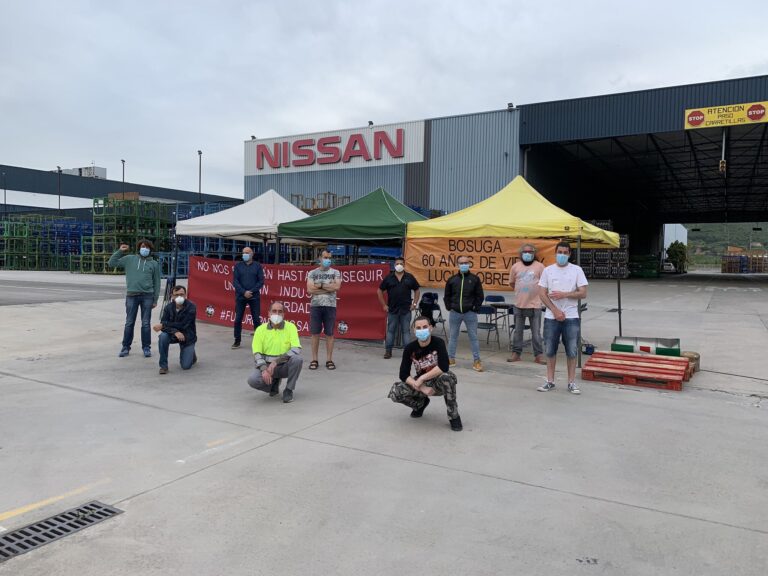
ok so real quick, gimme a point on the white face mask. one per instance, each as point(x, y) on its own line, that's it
point(179, 300)
point(399, 268)
point(275, 319)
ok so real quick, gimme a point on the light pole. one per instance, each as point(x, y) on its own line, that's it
point(200, 176)
point(58, 168)
point(5, 199)
point(123, 161)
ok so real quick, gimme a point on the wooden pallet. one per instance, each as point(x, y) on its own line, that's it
point(663, 372)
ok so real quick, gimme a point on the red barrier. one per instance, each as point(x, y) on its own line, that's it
point(359, 315)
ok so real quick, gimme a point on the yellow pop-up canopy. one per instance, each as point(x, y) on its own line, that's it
point(515, 211)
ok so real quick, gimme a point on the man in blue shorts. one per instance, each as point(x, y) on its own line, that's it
point(323, 283)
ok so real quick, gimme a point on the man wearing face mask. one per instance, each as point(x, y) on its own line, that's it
point(524, 280)
point(248, 280)
point(322, 284)
point(177, 326)
point(463, 297)
point(142, 289)
point(277, 354)
point(562, 285)
point(428, 356)
point(398, 285)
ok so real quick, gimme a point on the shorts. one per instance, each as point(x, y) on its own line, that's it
point(568, 330)
point(322, 319)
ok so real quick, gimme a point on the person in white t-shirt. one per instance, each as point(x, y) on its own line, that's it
point(561, 286)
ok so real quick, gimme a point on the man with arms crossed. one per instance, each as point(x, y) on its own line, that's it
point(323, 283)
point(524, 280)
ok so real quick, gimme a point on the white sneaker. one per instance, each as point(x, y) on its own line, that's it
point(573, 388)
point(546, 387)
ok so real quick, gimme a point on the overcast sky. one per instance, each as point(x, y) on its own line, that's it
point(153, 82)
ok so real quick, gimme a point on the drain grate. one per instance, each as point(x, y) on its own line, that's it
point(41, 533)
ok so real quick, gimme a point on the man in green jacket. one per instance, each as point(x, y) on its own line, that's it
point(142, 289)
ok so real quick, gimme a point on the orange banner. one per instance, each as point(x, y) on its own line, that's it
point(433, 260)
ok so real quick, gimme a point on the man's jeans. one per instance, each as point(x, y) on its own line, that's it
point(470, 321)
point(132, 305)
point(568, 330)
point(240, 304)
point(395, 322)
point(186, 351)
point(534, 316)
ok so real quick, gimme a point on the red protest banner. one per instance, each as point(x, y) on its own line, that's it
point(358, 316)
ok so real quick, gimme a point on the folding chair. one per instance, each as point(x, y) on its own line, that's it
point(491, 323)
point(428, 306)
point(500, 304)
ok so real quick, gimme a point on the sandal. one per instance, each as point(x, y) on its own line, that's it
point(330, 365)
point(314, 365)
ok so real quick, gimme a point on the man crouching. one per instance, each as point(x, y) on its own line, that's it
point(277, 354)
point(428, 355)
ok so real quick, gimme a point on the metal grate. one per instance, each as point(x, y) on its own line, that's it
point(41, 533)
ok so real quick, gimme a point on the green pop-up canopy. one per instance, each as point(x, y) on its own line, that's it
point(374, 217)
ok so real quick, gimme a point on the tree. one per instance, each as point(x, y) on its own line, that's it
point(677, 253)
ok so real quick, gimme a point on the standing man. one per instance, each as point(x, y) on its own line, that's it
point(524, 280)
point(277, 354)
point(398, 286)
point(177, 326)
point(562, 285)
point(427, 354)
point(248, 280)
point(323, 283)
point(142, 289)
point(463, 297)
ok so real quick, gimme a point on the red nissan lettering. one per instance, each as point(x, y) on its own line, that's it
point(303, 153)
point(331, 153)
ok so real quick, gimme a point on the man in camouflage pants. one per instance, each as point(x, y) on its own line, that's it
point(429, 356)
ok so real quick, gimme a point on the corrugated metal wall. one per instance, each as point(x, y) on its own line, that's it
point(354, 182)
point(644, 112)
point(472, 157)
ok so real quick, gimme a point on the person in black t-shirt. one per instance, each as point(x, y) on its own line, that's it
point(398, 286)
point(428, 355)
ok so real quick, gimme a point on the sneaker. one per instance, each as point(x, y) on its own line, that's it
point(163, 370)
point(477, 366)
point(287, 395)
point(515, 357)
point(451, 361)
point(147, 352)
point(274, 390)
point(388, 354)
point(546, 387)
point(124, 352)
point(236, 344)
point(456, 424)
point(416, 413)
point(573, 388)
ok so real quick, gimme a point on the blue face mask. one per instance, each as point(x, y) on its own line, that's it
point(562, 259)
point(527, 257)
point(326, 262)
point(246, 257)
point(422, 334)
point(463, 268)
point(144, 251)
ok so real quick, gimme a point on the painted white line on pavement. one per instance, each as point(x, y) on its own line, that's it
point(57, 289)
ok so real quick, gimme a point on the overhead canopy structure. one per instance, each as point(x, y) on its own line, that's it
point(515, 211)
point(256, 219)
point(377, 216)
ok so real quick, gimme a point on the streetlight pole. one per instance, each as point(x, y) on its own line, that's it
point(200, 176)
point(58, 168)
point(5, 199)
point(123, 161)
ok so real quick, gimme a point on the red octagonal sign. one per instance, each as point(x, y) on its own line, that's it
point(695, 118)
point(756, 112)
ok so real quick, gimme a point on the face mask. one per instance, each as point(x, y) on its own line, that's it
point(527, 257)
point(422, 334)
point(144, 252)
point(399, 268)
point(562, 259)
point(275, 319)
point(326, 262)
point(179, 300)
point(246, 257)
point(463, 268)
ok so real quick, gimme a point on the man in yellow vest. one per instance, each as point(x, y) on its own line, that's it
point(277, 354)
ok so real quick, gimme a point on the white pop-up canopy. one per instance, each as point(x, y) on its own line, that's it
point(256, 219)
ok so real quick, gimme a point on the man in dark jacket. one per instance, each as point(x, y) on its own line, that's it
point(463, 298)
point(177, 326)
point(248, 280)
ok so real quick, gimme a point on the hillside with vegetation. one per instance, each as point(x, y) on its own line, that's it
point(707, 242)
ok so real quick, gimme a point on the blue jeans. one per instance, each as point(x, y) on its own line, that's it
point(240, 304)
point(568, 330)
point(470, 321)
point(395, 322)
point(132, 305)
point(186, 351)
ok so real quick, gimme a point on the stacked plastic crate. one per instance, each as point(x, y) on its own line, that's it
point(40, 241)
point(606, 264)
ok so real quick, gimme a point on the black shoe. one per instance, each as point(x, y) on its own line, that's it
point(274, 390)
point(194, 358)
point(456, 424)
point(236, 344)
point(287, 395)
point(418, 412)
